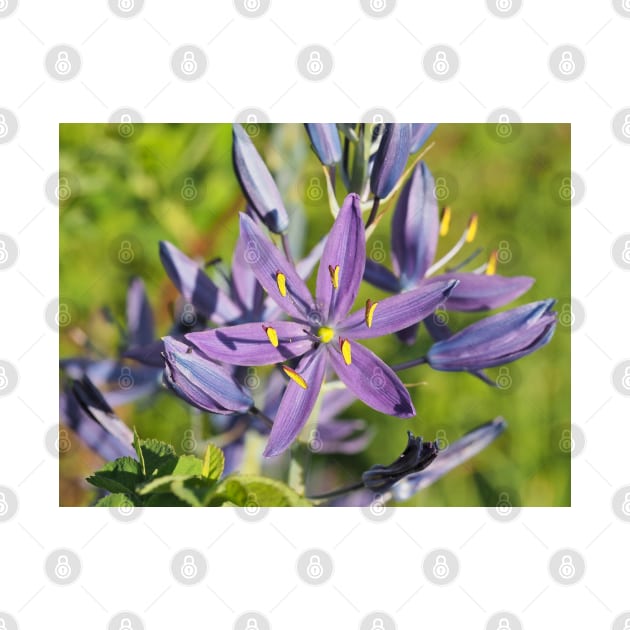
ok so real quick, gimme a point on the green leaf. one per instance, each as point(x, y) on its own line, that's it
point(188, 465)
point(121, 475)
point(136, 445)
point(159, 458)
point(165, 500)
point(213, 463)
point(258, 491)
point(117, 499)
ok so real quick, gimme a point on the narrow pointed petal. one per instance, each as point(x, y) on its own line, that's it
point(342, 436)
point(305, 266)
point(420, 133)
point(325, 142)
point(479, 292)
point(391, 158)
point(246, 288)
point(415, 227)
point(195, 286)
point(297, 403)
point(200, 382)
point(457, 453)
point(257, 183)
point(140, 328)
point(371, 380)
point(381, 277)
point(496, 340)
point(345, 248)
point(149, 354)
point(249, 344)
point(398, 311)
point(267, 261)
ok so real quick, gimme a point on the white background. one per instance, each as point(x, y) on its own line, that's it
point(251, 63)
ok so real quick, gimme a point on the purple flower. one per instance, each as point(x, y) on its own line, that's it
point(415, 230)
point(200, 382)
point(420, 133)
point(391, 158)
point(257, 183)
point(322, 331)
point(496, 340)
point(325, 142)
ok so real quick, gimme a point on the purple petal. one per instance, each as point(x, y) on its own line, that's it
point(246, 288)
point(297, 403)
point(345, 248)
point(266, 262)
point(139, 315)
point(408, 335)
point(305, 266)
point(249, 344)
point(150, 355)
point(496, 340)
point(196, 287)
point(391, 158)
point(420, 133)
point(381, 277)
point(480, 292)
point(457, 453)
point(334, 401)
point(371, 380)
point(200, 382)
point(343, 436)
point(257, 183)
point(415, 227)
point(325, 142)
point(397, 312)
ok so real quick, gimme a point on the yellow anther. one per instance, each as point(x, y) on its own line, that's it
point(445, 221)
point(281, 281)
point(472, 228)
point(334, 275)
point(346, 351)
point(325, 334)
point(369, 312)
point(272, 335)
point(491, 267)
point(294, 376)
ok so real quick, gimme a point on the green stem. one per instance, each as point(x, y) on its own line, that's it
point(336, 493)
point(409, 364)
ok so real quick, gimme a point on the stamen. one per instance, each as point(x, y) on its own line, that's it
point(346, 350)
point(325, 334)
point(334, 275)
point(445, 221)
point(491, 269)
point(369, 312)
point(294, 376)
point(281, 281)
point(272, 335)
point(472, 228)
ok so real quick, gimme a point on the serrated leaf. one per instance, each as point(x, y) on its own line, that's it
point(139, 453)
point(213, 463)
point(159, 457)
point(188, 465)
point(258, 491)
point(188, 493)
point(117, 499)
point(121, 475)
point(161, 484)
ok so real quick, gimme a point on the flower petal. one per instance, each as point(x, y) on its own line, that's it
point(325, 142)
point(345, 249)
point(479, 292)
point(140, 329)
point(371, 380)
point(391, 158)
point(257, 183)
point(397, 312)
point(297, 403)
point(196, 287)
point(249, 344)
point(245, 286)
point(381, 277)
point(267, 262)
point(415, 227)
point(420, 133)
point(200, 382)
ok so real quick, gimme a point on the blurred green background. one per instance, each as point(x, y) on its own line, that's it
point(175, 182)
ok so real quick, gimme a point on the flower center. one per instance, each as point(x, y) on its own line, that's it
point(325, 334)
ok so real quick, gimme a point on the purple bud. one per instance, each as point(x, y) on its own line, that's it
point(391, 158)
point(420, 133)
point(325, 142)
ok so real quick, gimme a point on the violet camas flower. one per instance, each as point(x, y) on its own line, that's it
point(325, 142)
point(322, 332)
point(496, 340)
point(420, 133)
point(415, 230)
